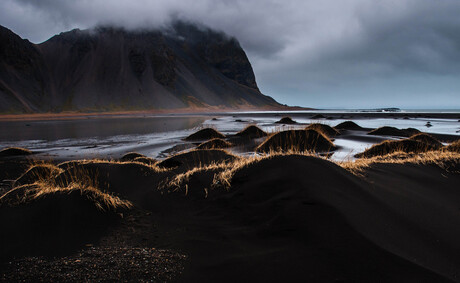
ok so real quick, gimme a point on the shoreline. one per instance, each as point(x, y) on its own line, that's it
point(250, 112)
point(75, 115)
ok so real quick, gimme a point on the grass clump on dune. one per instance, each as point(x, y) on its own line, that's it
point(145, 160)
point(214, 144)
point(455, 146)
point(426, 138)
point(392, 131)
point(205, 134)
point(38, 172)
point(252, 131)
point(46, 180)
point(406, 145)
point(441, 158)
point(45, 217)
point(74, 191)
point(298, 141)
point(14, 151)
point(286, 120)
point(324, 129)
point(348, 125)
point(197, 158)
point(130, 156)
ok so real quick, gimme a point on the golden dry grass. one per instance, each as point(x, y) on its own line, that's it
point(71, 163)
point(296, 141)
point(224, 172)
point(80, 181)
point(179, 182)
point(252, 131)
point(455, 146)
point(43, 182)
point(440, 158)
point(408, 145)
point(38, 170)
point(102, 200)
point(205, 134)
point(130, 156)
point(326, 130)
point(216, 143)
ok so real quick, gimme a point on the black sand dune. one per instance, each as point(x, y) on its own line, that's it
point(455, 146)
point(296, 140)
point(426, 138)
point(214, 144)
point(130, 156)
point(145, 160)
point(313, 222)
point(317, 222)
point(286, 120)
point(392, 131)
point(132, 181)
point(252, 131)
point(405, 145)
point(326, 130)
point(37, 172)
point(348, 125)
point(53, 222)
point(14, 151)
point(318, 116)
point(205, 134)
point(194, 158)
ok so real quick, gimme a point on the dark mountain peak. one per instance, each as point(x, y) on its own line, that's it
point(110, 68)
point(219, 50)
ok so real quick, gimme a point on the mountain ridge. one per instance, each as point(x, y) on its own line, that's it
point(113, 69)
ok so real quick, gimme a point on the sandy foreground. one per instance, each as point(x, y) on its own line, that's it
point(208, 215)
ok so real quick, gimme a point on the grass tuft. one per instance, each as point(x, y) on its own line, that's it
point(296, 141)
point(205, 134)
point(326, 130)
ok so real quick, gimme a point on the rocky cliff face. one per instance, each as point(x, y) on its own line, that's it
point(106, 69)
point(23, 75)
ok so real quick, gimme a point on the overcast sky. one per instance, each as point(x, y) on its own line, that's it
point(329, 54)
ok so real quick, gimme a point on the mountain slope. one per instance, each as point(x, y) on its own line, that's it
point(107, 69)
point(23, 76)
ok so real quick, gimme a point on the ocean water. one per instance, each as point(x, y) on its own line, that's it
point(154, 136)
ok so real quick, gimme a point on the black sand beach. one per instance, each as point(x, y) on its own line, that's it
point(289, 214)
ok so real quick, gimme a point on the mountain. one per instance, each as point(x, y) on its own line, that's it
point(107, 69)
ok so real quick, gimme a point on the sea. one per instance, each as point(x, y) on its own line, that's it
point(159, 136)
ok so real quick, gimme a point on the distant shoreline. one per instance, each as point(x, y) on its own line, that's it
point(73, 115)
point(294, 111)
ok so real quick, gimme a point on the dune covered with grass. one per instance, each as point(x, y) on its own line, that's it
point(214, 144)
point(455, 146)
point(285, 214)
point(14, 151)
point(392, 131)
point(205, 134)
point(286, 120)
point(326, 130)
point(252, 131)
point(348, 125)
point(415, 144)
point(297, 140)
point(44, 218)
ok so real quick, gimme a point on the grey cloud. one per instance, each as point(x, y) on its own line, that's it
point(308, 52)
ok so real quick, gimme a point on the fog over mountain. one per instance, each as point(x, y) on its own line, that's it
point(352, 53)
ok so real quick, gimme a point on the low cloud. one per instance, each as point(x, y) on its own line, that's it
point(351, 53)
